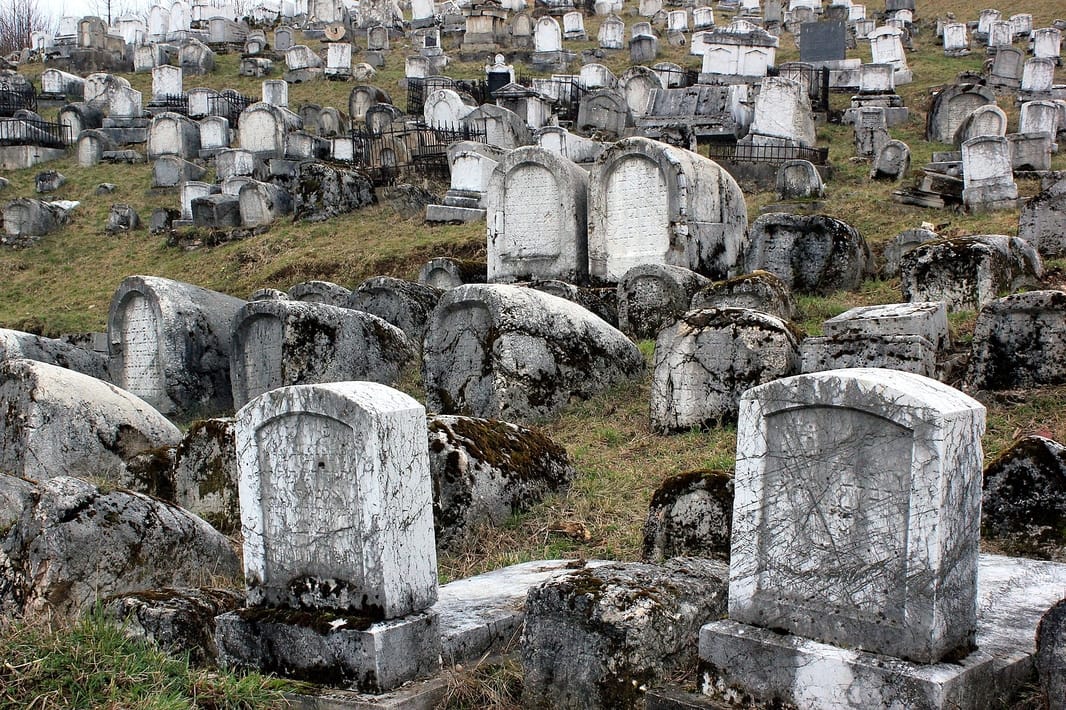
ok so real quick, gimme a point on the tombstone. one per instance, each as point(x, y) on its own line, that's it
point(1018, 342)
point(968, 272)
point(214, 135)
point(1041, 117)
point(283, 38)
point(445, 108)
point(377, 39)
point(404, 304)
point(191, 190)
point(25, 218)
point(887, 48)
point(445, 273)
point(547, 37)
point(653, 296)
point(262, 128)
point(1000, 34)
point(892, 161)
point(649, 8)
point(677, 21)
point(521, 30)
point(871, 131)
point(1047, 43)
point(708, 358)
point(823, 41)
point(604, 112)
point(276, 93)
point(842, 439)
point(638, 84)
point(798, 180)
point(1038, 78)
point(988, 176)
point(195, 57)
point(362, 98)
point(498, 74)
point(643, 49)
point(281, 343)
point(91, 146)
point(956, 40)
point(303, 64)
point(519, 354)
point(650, 203)
point(320, 540)
point(501, 127)
point(62, 85)
point(169, 344)
point(1007, 68)
point(574, 27)
point(810, 253)
point(741, 49)
point(782, 115)
point(173, 134)
point(260, 203)
point(422, 13)
point(758, 290)
point(950, 107)
point(232, 162)
point(985, 20)
point(537, 220)
point(1042, 221)
point(339, 60)
point(702, 18)
point(611, 34)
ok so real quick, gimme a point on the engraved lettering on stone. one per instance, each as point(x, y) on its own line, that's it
point(142, 372)
point(533, 214)
point(637, 226)
point(262, 357)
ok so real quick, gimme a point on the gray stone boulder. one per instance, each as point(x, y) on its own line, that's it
point(485, 471)
point(321, 191)
point(706, 361)
point(1020, 341)
point(49, 181)
point(404, 304)
point(15, 344)
point(652, 296)
point(15, 494)
point(760, 291)
point(598, 638)
point(600, 300)
point(1023, 502)
point(1051, 656)
point(180, 621)
point(1042, 221)
point(690, 514)
point(26, 219)
point(811, 253)
point(62, 423)
point(122, 218)
point(205, 474)
point(280, 343)
point(76, 543)
point(514, 353)
point(968, 272)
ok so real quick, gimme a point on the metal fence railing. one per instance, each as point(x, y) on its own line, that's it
point(24, 131)
point(746, 153)
point(419, 88)
point(173, 103)
point(17, 99)
point(412, 149)
point(229, 104)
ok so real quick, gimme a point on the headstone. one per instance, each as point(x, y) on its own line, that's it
point(1019, 342)
point(276, 93)
point(339, 523)
point(1038, 78)
point(1000, 34)
point(956, 39)
point(652, 296)
point(1007, 68)
point(950, 108)
point(892, 161)
point(173, 134)
point(574, 27)
point(1042, 222)
point(810, 253)
point(170, 344)
point(887, 48)
point(1047, 43)
point(338, 60)
point(547, 37)
point(798, 179)
point(283, 38)
point(536, 216)
point(988, 174)
point(822, 41)
point(651, 203)
point(281, 343)
point(611, 34)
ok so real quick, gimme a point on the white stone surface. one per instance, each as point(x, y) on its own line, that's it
point(928, 319)
point(856, 516)
point(336, 505)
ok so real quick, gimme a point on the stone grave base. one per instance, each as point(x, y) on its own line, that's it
point(447, 213)
point(316, 647)
point(18, 157)
point(300, 76)
point(988, 199)
point(738, 660)
point(552, 60)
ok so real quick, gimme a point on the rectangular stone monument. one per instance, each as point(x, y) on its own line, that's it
point(339, 556)
point(988, 174)
point(166, 81)
point(823, 41)
point(856, 522)
point(339, 60)
point(276, 93)
point(956, 40)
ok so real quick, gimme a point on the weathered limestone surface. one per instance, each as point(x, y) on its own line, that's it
point(810, 253)
point(404, 304)
point(760, 291)
point(486, 470)
point(205, 474)
point(1024, 498)
point(1020, 341)
point(62, 423)
point(710, 357)
point(597, 638)
point(17, 344)
point(518, 354)
point(75, 543)
point(1051, 655)
point(690, 514)
point(652, 296)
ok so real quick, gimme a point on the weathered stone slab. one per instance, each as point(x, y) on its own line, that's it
point(1020, 341)
point(652, 296)
point(690, 514)
point(16, 344)
point(1024, 500)
point(810, 253)
point(760, 291)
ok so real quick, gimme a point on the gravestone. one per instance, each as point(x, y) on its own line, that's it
point(1038, 79)
point(887, 48)
point(1047, 43)
point(604, 112)
point(518, 354)
point(166, 81)
point(283, 38)
point(1019, 342)
point(798, 179)
point(782, 115)
point(651, 203)
point(1000, 34)
point(871, 131)
point(1006, 70)
point(988, 175)
point(652, 296)
point(890, 464)
point(611, 34)
point(822, 41)
point(262, 129)
point(810, 253)
point(170, 344)
point(404, 304)
point(336, 511)
point(214, 135)
point(892, 161)
point(377, 39)
point(338, 60)
point(709, 357)
point(1042, 221)
point(276, 93)
point(1042, 117)
point(191, 190)
point(758, 290)
point(637, 84)
point(321, 292)
point(956, 40)
point(536, 213)
point(951, 106)
point(280, 343)
point(740, 49)
point(173, 134)
point(574, 27)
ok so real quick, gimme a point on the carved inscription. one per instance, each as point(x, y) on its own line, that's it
point(262, 355)
point(142, 372)
point(637, 225)
point(533, 214)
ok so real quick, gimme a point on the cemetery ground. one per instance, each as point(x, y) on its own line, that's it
point(64, 284)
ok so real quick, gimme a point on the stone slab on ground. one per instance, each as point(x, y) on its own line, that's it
point(1013, 594)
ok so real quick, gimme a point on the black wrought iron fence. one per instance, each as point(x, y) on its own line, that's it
point(17, 99)
point(419, 88)
point(174, 103)
point(24, 131)
point(746, 153)
point(413, 149)
point(229, 105)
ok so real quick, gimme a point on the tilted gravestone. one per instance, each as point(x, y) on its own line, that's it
point(823, 41)
point(856, 522)
point(339, 562)
point(170, 344)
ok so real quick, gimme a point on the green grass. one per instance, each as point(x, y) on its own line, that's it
point(90, 663)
